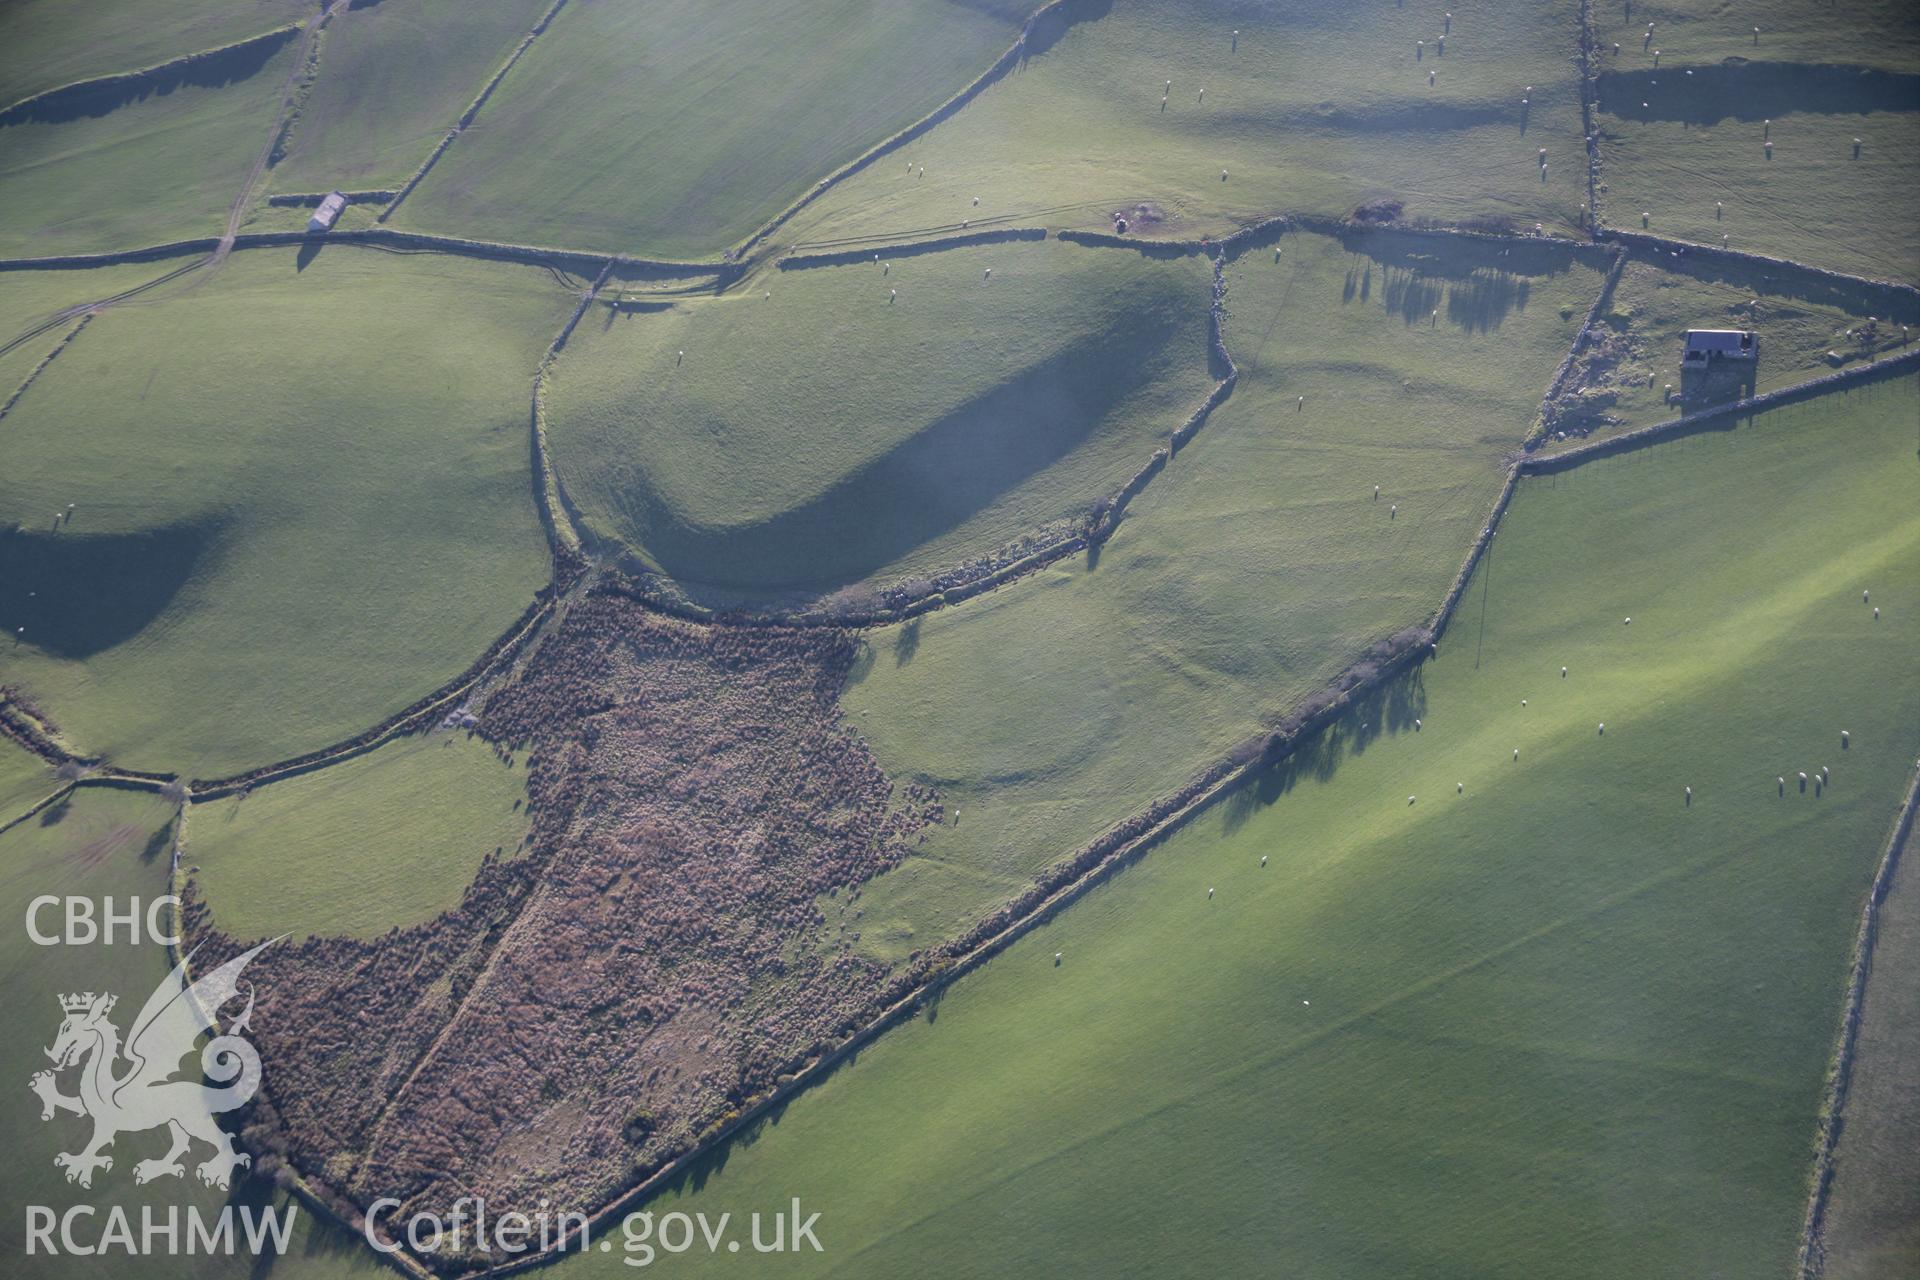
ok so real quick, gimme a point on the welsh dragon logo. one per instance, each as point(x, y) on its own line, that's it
point(132, 1087)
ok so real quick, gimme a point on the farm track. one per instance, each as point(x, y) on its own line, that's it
point(1126, 840)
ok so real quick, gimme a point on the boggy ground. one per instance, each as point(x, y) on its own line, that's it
point(592, 1007)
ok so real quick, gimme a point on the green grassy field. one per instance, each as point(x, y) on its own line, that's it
point(1318, 108)
point(48, 43)
point(1562, 1023)
point(127, 167)
point(29, 298)
point(674, 129)
point(1699, 139)
point(831, 432)
point(1873, 1223)
point(24, 778)
point(107, 843)
point(388, 839)
point(1864, 33)
point(378, 107)
point(1635, 353)
point(1252, 570)
point(1813, 200)
point(302, 502)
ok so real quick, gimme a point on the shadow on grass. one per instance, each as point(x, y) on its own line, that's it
point(336, 1247)
point(1754, 91)
point(1479, 283)
point(101, 97)
point(78, 595)
point(1717, 385)
point(1052, 26)
point(158, 843)
point(1802, 284)
point(906, 643)
point(1388, 708)
point(928, 485)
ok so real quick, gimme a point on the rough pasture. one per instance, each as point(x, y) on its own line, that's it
point(647, 966)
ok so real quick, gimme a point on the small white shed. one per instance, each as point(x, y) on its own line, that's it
point(1704, 346)
point(328, 213)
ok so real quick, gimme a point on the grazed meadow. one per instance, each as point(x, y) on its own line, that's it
point(1313, 108)
point(672, 130)
point(1463, 986)
point(1249, 573)
point(380, 107)
point(147, 162)
point(875, 419)
point(1629, 372)
point(413, 817)
point(1562, 1021)
point(263, 556)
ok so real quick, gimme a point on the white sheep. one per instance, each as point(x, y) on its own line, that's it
point(1209, 893)
point(1416, 725)
point(1459, 788)
point(1516, 753)
point(1627, 623)
point(1409, 799)
point(1263, 859)
point(1603, 728)
point(1865, 596)
point(1563, 673)
point(987, 274)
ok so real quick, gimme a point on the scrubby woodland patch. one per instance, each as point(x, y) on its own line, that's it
point(592, 1007)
